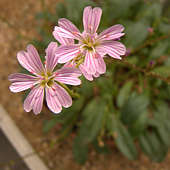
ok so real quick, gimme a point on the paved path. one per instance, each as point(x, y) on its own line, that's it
point(9, 158)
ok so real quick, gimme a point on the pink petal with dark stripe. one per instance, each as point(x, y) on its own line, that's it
point(68, 25)
point(91, 19)
point(100, 64)
point(84, 72)
point(21, 82)
point(67, 34)
point(30, 60)
point(67, 53)
point(112, 33)
point(89, 63)
point(34, 100)
point(68, 76)
point(57, 97)
point(62, 40)
point(51, 59)
point(114, 49)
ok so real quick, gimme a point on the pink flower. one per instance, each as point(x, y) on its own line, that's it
point(91, 47)
point(44, 80)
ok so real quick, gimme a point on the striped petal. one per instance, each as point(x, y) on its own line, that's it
point(57, 97)
point(30, 60)
point(66, 33)
point(68, 75)
point(51, 59)
point(100, 64)
point(91, 19)
point(89, 63)
point(84, 72)
point(21, 82)
point(67, 53)
point(112, 33)
point(69, 26)
point(34, 100)
point(62, 40)
point(114, 49)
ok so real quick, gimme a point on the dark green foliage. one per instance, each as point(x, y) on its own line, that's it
point(123, 139)
point(128, 104)
point(153, 146)
point(133, 108)
point(136, 33)
point(124, 94)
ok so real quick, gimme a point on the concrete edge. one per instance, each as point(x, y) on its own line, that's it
point(19, 142)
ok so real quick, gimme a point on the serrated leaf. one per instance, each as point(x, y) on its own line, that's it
point(162, 70)
point(124, 93)
point(133, 108)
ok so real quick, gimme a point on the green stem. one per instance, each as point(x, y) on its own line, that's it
point(139, 69)
point(150, 42)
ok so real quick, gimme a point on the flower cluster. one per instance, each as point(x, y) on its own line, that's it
point(84, 57)
point(91, 48)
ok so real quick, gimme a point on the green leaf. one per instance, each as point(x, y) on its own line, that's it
point(48, 125)
point(125, 142)
point(161, 121)
point(139, 125)
point(124, 93)
point(93, 120)
point(153, 146)
point(61, 11)
point(66, 117)
point(136, 33)
point(80, 150)
point(94, 117)
point(120, 10)
point(123, 139)
point(162, 70)
point(159, 50)
point(150, 12)
point(164, 28)
point(86, 89)
point(75, 10)
point(133, 108)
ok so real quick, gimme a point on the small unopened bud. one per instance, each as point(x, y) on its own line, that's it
point(151, 63)
point(150, 30)
point(128, 51)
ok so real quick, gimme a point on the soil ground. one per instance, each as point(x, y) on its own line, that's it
point(17, 17)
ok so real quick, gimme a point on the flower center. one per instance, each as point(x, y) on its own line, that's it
point(89, 43)
point(47, 79)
